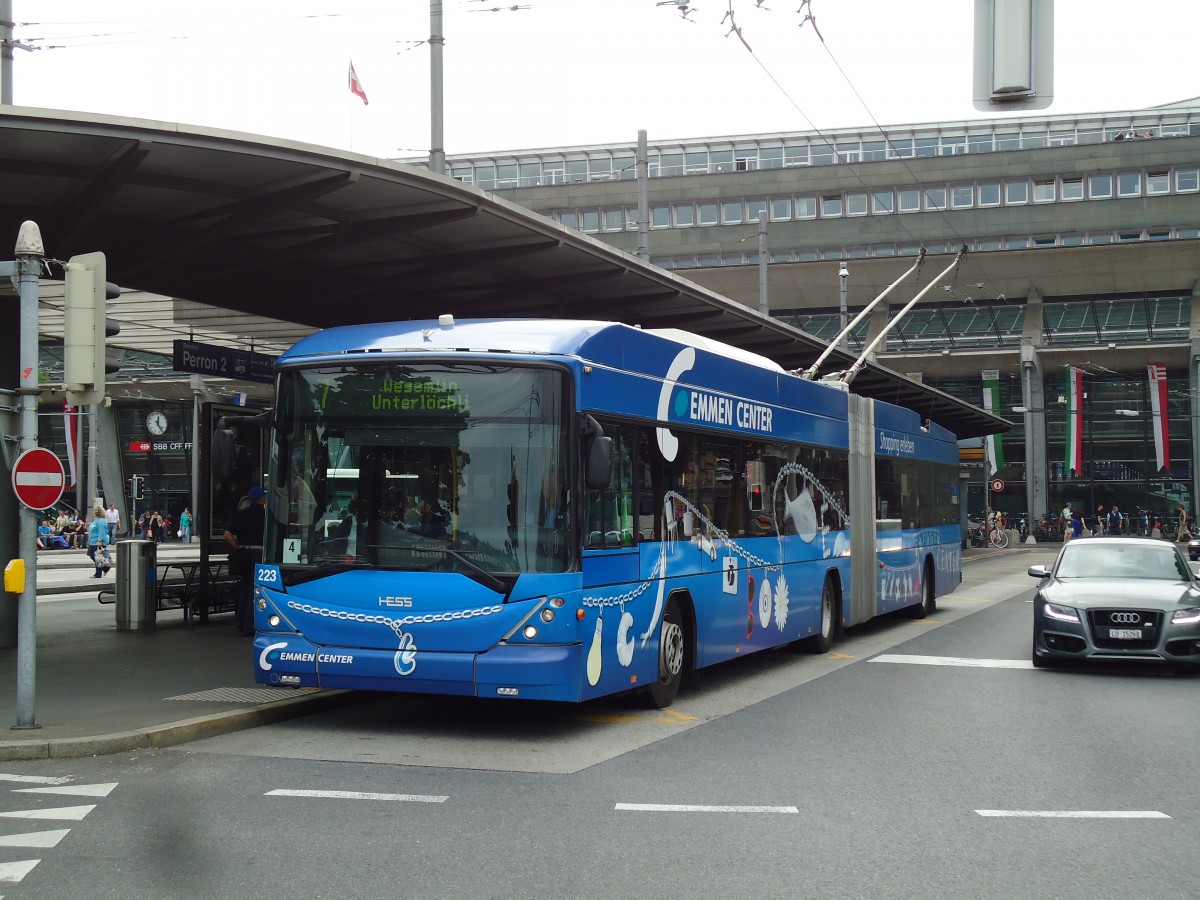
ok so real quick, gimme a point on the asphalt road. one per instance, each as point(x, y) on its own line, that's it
point(924, 759)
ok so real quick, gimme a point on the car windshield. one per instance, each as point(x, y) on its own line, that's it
point(1104, 559)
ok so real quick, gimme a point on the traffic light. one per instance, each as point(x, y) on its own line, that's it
point(86, 328)
point(136, 483)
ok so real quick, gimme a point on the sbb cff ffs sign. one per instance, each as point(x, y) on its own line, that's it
point(38, 479)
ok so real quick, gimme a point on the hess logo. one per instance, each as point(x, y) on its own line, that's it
point(396, 602)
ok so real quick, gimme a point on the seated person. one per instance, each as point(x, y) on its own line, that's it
point(432, 523)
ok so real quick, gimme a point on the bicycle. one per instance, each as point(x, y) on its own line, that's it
point(980, 535)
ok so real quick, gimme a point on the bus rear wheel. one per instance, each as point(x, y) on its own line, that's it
point(822, 641)
point(671, 639)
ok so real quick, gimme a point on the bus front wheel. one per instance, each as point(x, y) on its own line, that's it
point(661, 693)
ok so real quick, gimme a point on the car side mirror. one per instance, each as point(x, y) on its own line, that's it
point(1039, 572)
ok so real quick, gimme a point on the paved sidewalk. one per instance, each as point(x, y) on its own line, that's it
point(98, 690)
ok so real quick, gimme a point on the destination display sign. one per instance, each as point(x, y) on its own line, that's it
point(223, 362)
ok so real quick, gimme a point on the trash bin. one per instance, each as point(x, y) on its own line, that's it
point(137, 576)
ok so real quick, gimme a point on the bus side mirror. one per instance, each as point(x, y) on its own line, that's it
point(597, 456)
point(599, 463)
point(222, 453)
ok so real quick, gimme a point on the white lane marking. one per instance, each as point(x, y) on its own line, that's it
point(11, 873)
point(691, 807)
point(76, 813)
point(36, 779)
point(953, 661)
point(75, 790)
point(1072, 814)
point(38, 839)
point(358, 795)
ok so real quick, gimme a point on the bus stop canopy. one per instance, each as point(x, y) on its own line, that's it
point(295, 233)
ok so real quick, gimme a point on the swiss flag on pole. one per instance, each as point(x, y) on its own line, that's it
point(356, 87)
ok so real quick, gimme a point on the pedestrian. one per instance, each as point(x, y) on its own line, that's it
point(1183, 534)
point(1068, 528)
point(1115, 520)
point(185, 525)
point(245, 536)
point(112, 518)
point(1076, 526)
point(143, 525)
point(97, 534)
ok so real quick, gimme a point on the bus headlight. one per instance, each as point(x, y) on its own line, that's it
point(547, 615)
point(530, 632)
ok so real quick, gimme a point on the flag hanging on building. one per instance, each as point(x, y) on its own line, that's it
point(71, 430)
point(993, 446)
point(1073, 457)
point(356, 87)
point(1157, 373)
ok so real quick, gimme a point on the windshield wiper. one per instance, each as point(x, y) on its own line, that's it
point(482, 575)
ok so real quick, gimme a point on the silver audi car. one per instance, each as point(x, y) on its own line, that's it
point(1116, 598)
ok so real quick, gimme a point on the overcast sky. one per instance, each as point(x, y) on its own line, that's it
point(568, 72)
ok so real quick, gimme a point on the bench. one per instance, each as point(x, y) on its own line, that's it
point(179, 586)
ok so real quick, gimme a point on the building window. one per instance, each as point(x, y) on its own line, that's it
point(883, 202)
point(1100, 187)
point(989, 193)
point(745, 160)
point(720, 160)
point(1044, 240)
point(1128, 237)
point(590, 221)
point(962, 196)
point(1158, 234)
point(1043, 190)
point(485, 177)
point(1072, 189)
point(988, 244)
point(927, 146)
point(781, 209)
point(756, 209)
point(1104, 237)
point(1158, 182)
point(1017, 243)
point(569, 219)
point(856, 204)
point(883, 250)
point(695, 162)
point(631, 218)
point(795, 155)
point(770, 158)
point(1129, 184)
point(1008, 141)
point(1187, 180)
point(530, 174)
point(660, 217)
point(1072, 240)
point(874, 150)
point(732, 259)
point(901, 149)
point(707, 213)
point(910, 200)
point(806, 207)
point(614, 220)
point(1016, 192)
point(935, 198)
point(670, 164)
point(684, 214)
point(831, 206)
point(731, 212)
point(979, 143)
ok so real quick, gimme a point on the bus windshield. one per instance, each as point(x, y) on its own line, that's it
point(428, 466)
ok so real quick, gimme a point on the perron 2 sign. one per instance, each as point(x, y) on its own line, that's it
point(222, 362)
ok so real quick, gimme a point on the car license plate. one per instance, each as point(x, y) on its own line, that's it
point(1127, 634)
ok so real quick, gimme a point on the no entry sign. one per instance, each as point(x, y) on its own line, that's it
point(38, 479)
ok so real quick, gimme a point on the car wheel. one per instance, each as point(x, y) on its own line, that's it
point(823, 640)
point(671, 637)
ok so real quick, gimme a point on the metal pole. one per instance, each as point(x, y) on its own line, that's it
point(197, 402)
point(93, 424)
point(764, 305)
point(6, 52)
point(843, 274)
point(29, 253)
point(643, 222)
point(437, 150)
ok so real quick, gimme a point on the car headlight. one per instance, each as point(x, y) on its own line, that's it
point(1061, 613)
point(1186, 616)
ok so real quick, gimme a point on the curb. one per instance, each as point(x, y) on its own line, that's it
point(181, 732)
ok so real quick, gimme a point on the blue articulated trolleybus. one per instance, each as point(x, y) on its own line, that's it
point(561, 510)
